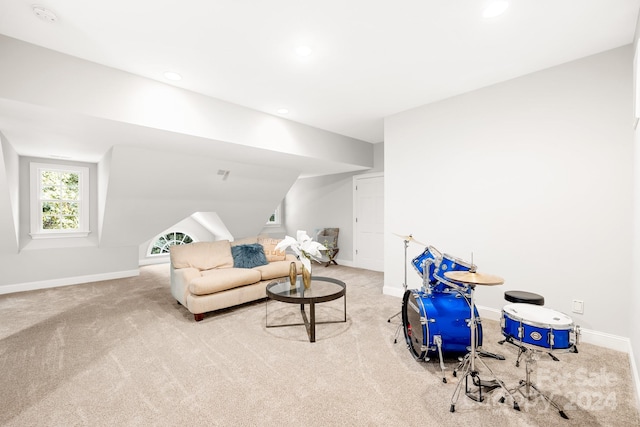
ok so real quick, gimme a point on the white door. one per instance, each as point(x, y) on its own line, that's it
point(368, 210)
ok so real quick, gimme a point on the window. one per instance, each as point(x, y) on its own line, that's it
point(164, 241)
point(276, 218)
point(59, 200)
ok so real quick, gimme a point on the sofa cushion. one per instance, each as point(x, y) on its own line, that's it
point(269, 245)
point(202, 255)
point(248, 256)
point(221, 279)
point(277, 269)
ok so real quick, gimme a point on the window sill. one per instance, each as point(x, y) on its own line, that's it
point(59, 235)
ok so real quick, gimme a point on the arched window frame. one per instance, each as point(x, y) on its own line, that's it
point(164, 241)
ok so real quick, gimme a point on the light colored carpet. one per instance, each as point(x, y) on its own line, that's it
point(122, 352)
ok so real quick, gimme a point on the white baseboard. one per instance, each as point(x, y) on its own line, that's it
point(67, 281)
point(636, 375)
point(394, 291)
point(154, 260)
point(342, 262)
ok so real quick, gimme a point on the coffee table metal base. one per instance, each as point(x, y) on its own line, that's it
point(310, 321)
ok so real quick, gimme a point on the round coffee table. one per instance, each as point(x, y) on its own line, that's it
point(322, 289)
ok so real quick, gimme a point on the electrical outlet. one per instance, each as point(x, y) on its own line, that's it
point(577, 306)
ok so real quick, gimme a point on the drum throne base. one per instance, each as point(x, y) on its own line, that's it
point(530, 389)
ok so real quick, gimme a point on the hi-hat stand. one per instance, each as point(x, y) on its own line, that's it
point(468, 365)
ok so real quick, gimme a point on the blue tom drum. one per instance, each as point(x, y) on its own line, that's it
point(449, 263)
point(427, 261)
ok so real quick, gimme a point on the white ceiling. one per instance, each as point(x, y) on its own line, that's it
point(370, 58)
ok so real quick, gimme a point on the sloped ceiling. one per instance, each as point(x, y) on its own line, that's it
point(150, 190)
point(159, 147)
point(369, 59)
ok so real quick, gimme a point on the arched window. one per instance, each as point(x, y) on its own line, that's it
point(164, 241)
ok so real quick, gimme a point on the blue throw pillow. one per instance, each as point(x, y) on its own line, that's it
point(248, 256)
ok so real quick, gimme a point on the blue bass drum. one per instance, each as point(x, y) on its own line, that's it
point(429, 260)
point(438, 316)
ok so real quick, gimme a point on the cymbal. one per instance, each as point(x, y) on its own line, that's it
point(409, 238)
point(474, 278)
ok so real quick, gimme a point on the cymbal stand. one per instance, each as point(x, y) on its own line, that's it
point(469, 368)
point(404, 286)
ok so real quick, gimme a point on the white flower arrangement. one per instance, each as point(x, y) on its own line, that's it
point(304, 247)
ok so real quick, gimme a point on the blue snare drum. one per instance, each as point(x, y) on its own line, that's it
point(538, 326)
point(449, 263)
point(444, 316)
point(429, 260)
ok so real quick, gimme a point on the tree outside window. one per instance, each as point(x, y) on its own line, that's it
point(59, 200)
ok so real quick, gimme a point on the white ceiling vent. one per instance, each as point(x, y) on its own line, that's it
point(44, 13)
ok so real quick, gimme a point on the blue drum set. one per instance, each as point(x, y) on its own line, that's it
point(441, 319)
point(436, 317)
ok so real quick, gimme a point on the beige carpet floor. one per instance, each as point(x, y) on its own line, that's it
point(122, 352)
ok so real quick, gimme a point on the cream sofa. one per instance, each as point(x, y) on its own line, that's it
point(203, 276)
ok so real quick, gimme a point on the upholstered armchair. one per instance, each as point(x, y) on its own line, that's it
point(329, 238)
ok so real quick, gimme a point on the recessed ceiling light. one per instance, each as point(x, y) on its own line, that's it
point(303, 51)
point(495, 8)
point(282, 111)
point(44, 13)
point(171, 75)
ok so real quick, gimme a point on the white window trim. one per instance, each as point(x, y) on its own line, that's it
point(155, 239)
point(36, 221)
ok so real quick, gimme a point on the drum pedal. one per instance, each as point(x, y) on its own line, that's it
point(483, 386)
point(484, 353)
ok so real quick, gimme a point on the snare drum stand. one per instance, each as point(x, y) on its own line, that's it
point(404, 286)
point(530, 364)
point(469, 368)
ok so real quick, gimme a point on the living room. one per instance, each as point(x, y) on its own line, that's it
point(535, 177)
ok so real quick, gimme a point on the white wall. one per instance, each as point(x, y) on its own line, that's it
point(327, 201)
point(534, 176)
point(9, 197)
point(164, 146)
point(634, 294)
point(321, 202)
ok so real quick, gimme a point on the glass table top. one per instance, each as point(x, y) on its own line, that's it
point(321, 289)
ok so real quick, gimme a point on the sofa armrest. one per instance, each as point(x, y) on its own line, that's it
point(180, 279)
